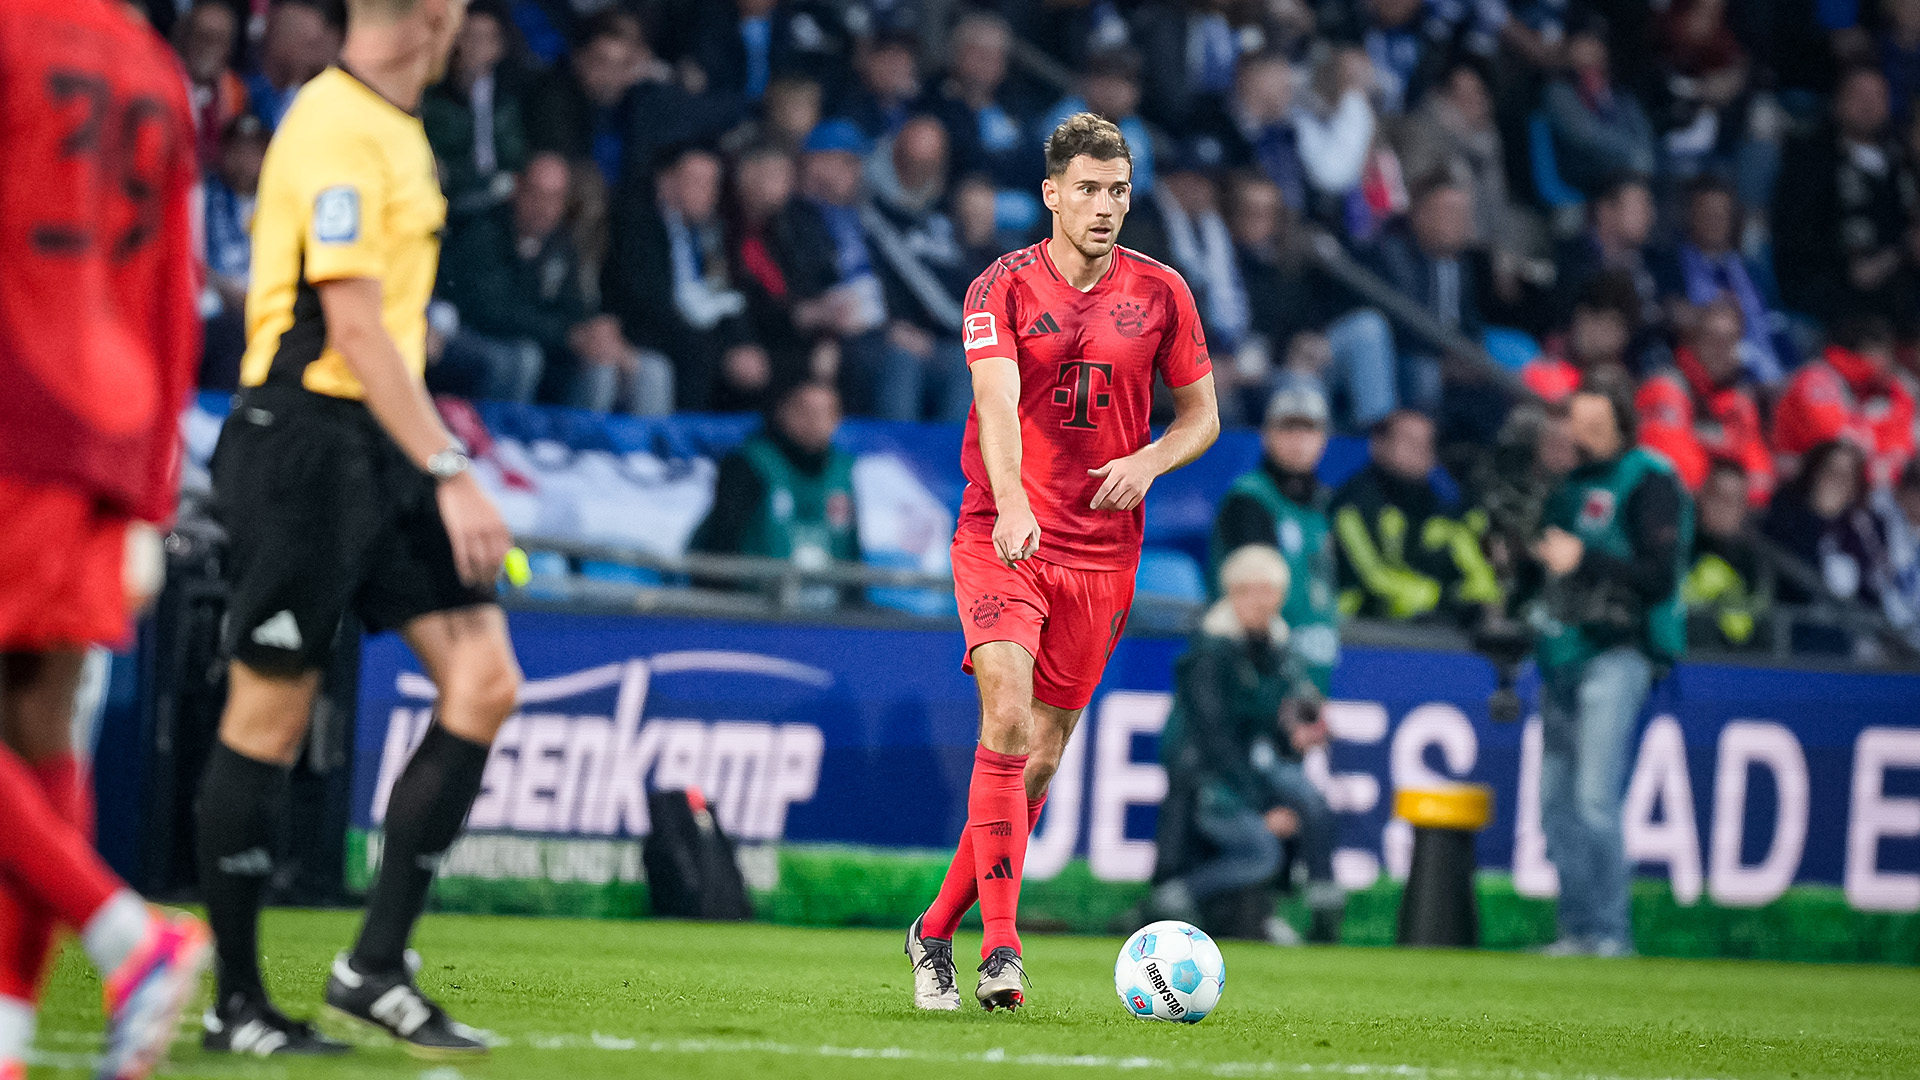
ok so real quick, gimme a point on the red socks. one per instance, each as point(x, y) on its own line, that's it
point(959, 890)
point(992, 852)
point(26, 924)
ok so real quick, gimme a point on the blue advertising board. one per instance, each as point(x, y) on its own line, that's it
point(1745, 780)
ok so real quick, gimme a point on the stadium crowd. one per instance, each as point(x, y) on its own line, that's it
point(693, 205)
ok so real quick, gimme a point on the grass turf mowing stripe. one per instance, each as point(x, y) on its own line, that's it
point(1370, 1013)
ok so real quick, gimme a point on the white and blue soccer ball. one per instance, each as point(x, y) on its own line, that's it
point(1170, 971)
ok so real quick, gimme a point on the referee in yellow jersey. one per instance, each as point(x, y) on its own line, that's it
point(342, 491)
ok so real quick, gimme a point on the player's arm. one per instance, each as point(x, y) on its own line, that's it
point(996, 403)
point(1183, 363)
point(400, 403)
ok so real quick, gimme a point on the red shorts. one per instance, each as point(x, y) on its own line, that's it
point(62, 570)
point(1067, 619)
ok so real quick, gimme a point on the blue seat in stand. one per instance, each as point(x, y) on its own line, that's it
point(1170, 574)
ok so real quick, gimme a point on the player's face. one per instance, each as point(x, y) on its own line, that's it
point(444, 18)
point(1089, 201)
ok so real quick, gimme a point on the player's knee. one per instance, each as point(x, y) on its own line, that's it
point(1042, 763)
point(493, 687)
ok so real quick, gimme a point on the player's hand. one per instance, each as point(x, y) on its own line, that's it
point(1016, 535)
point(479, 535)
point(1124, 483)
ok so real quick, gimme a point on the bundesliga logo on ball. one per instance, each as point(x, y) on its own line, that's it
point(1170, 971)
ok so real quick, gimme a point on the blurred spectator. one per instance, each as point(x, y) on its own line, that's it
point(1598, 333)
point(787, 493)
point(830, 271)
point(1840, 218)
point(670, 282)
point(227, 227)
point(1243, 715)
point(1191, 49)
point(1599, 130)
point(763, 186)
point(1201, 248)
point(978, 231)
point(472, 116)
point(1282, 503)
point(1698, 412)
point(789, 111)
point(1704, 73)
point(889, 67)
point(1850, 392)
point(1402, 555)
point(1821, 518)
point(740, 47)
point(1620, 227)
point(205, 38)
point(1262, 126)
point(1900, 54)
point(1707, 265)
point(1454, 132)
point(1898, 508)
point(615, 103)
point(922, 266)
point(1109, 87)
point(1410, 41)
point(979, 109)
point(514, 277)
point(299, 43)
point(1723, 585)
point(1291, 341)
point(1429, 259)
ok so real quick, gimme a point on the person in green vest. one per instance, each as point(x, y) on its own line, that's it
point(1608, 617)
point(787, 493)
point(1283, 504)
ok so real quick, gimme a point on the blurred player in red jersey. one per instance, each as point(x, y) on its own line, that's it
point(99, 339)
point(1064, 339)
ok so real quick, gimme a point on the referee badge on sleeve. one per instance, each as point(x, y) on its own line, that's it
point(336, 215)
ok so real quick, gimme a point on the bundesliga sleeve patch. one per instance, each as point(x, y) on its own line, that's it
point(336, 215)
point(980, 331)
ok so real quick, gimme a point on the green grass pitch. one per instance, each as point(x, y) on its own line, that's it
point(584, 1000)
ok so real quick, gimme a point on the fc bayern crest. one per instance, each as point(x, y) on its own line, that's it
point(986, 611)
point(1597, 511)
point(1129, 319)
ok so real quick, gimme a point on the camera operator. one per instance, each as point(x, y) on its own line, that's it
point(1608, 613)
point(1244, 712)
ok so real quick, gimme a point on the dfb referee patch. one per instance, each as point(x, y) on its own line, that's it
point(336, 215)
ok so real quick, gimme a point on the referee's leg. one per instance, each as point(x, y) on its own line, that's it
point(469, 658)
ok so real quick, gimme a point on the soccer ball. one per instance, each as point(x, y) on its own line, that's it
point(1170, 971)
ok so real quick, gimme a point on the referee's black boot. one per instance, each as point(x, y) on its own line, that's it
point(389, 1001)
point(243, 1025)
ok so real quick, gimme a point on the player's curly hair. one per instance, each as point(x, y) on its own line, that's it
point(1085, 133)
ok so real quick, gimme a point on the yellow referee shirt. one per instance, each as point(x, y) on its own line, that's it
point(348, 190)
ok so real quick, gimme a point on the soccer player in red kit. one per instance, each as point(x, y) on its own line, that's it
point(1064, 340)
point(99, 340)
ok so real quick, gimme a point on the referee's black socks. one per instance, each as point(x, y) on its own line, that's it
point(424, 814)
point(241, 804)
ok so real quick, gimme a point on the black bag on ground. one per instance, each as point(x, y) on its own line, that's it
point(691, 872)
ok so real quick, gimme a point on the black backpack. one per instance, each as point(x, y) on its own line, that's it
point(691, 872)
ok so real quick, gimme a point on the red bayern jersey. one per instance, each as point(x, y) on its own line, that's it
point(1087, 363)
point(99, 333)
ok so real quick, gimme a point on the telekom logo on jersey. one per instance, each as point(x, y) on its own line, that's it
point(556, 772)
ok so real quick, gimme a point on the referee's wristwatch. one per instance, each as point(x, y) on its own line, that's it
point(447, 464)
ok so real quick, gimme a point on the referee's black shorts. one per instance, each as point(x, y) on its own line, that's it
point(324, 514)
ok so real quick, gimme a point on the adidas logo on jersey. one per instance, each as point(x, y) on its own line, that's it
point(279, 632)
point(1001, 871)
point(1044, 325)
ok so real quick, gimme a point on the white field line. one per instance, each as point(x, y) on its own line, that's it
point(995, 1056)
